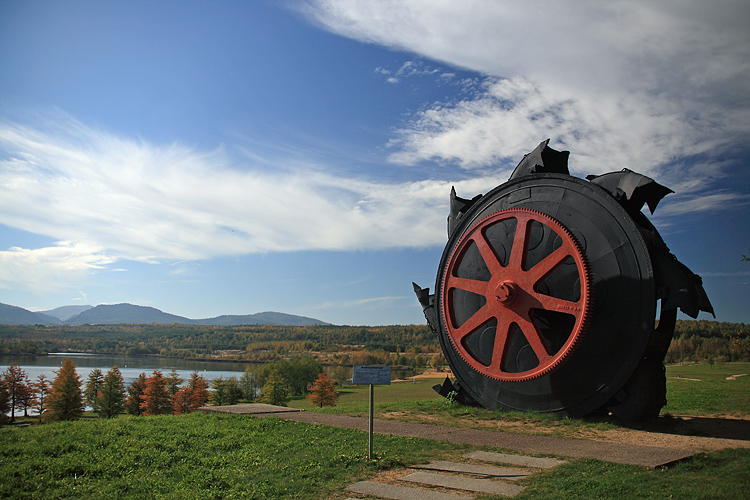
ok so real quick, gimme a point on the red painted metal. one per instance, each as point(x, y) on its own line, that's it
point(511, 295)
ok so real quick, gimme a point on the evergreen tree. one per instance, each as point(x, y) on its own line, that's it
point(248, 385)
point(110, 400)
point(340, 375)
point(155, 399)
point(93, 384)
point(135, 391)
point(274, 391)
point(323, 391)
point(174, 381)
point(65, 400)
point(42, 390)
point(218, 396)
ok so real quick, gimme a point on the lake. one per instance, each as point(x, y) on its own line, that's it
point(131, 367)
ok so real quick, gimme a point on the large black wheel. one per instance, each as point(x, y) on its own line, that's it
point(545, 296)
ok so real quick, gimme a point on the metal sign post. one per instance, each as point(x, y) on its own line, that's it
point(372, 376)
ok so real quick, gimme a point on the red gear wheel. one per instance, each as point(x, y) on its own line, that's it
point(511, 294)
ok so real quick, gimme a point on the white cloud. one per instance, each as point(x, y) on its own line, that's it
point(50, 267)
point(139, 201)
point(635, 84)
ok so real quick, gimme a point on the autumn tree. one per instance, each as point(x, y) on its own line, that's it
point(275, 390)
point(110, 400)
point(199, 391)
point(15, 380)
point(65, 400)
point(4, 401)
point(323, 391)
point(93, 383)
point(155, 399)
point(25, 397)
point(192, 396)
point(135, 391)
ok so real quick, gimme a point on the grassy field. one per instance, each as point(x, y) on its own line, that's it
point(195, 456)
point(229, 456)
point(702, 389)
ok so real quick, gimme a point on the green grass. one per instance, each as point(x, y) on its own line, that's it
point(710, 394)
point(195, 456)
point(215, 456)
point(723, 475)
point(231, 456)
point(703, 389)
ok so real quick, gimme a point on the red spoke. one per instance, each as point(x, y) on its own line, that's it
point(518, 251)
point(535, 340)
point(560, 305)
point(548, 264)
point(490, 259)
point(473, 286)
point(474, 322)
point(502, 333)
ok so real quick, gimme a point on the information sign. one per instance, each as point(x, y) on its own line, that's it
point(371, 375)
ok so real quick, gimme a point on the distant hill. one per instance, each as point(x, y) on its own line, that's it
point(125, 313)
point(12, 315)
point(66, 312)
point(263, 318)
point(114, 314)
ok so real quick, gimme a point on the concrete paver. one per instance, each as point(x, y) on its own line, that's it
point(478, 470)
point(463, 483)
point(249, 409)
point(396, 492)
point(522, 460)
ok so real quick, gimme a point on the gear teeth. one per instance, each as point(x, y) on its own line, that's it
point(580, 327)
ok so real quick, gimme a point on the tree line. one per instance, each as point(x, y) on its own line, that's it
point(399, 345)
point(66, 397)
point(709, 341)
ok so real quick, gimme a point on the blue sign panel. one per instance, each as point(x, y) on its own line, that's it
point(371, 375)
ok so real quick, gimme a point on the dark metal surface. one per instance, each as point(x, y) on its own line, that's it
point(508, 314)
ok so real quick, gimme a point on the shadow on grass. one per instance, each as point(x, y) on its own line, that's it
point(713, 427)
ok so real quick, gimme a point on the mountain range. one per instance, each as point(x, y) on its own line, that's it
point(112, 314)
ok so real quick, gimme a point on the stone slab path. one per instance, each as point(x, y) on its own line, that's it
point(457, 480)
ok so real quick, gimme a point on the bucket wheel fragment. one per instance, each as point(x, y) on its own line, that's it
point(546, 294)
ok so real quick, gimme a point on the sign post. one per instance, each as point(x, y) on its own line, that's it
point(372, 376)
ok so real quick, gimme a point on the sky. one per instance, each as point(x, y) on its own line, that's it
point(210, 158)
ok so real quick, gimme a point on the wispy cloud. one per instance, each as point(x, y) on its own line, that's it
point(637, 84)
point(120, 198)
point(375, 302)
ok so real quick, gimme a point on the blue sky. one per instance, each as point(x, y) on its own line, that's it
point(211, 158)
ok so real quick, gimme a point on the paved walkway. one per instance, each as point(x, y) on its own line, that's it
point(644, 456)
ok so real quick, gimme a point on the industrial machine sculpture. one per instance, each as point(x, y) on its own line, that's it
point(546, 295)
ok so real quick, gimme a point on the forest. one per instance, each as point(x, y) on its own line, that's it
point(400, 345)
point(396, 345)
